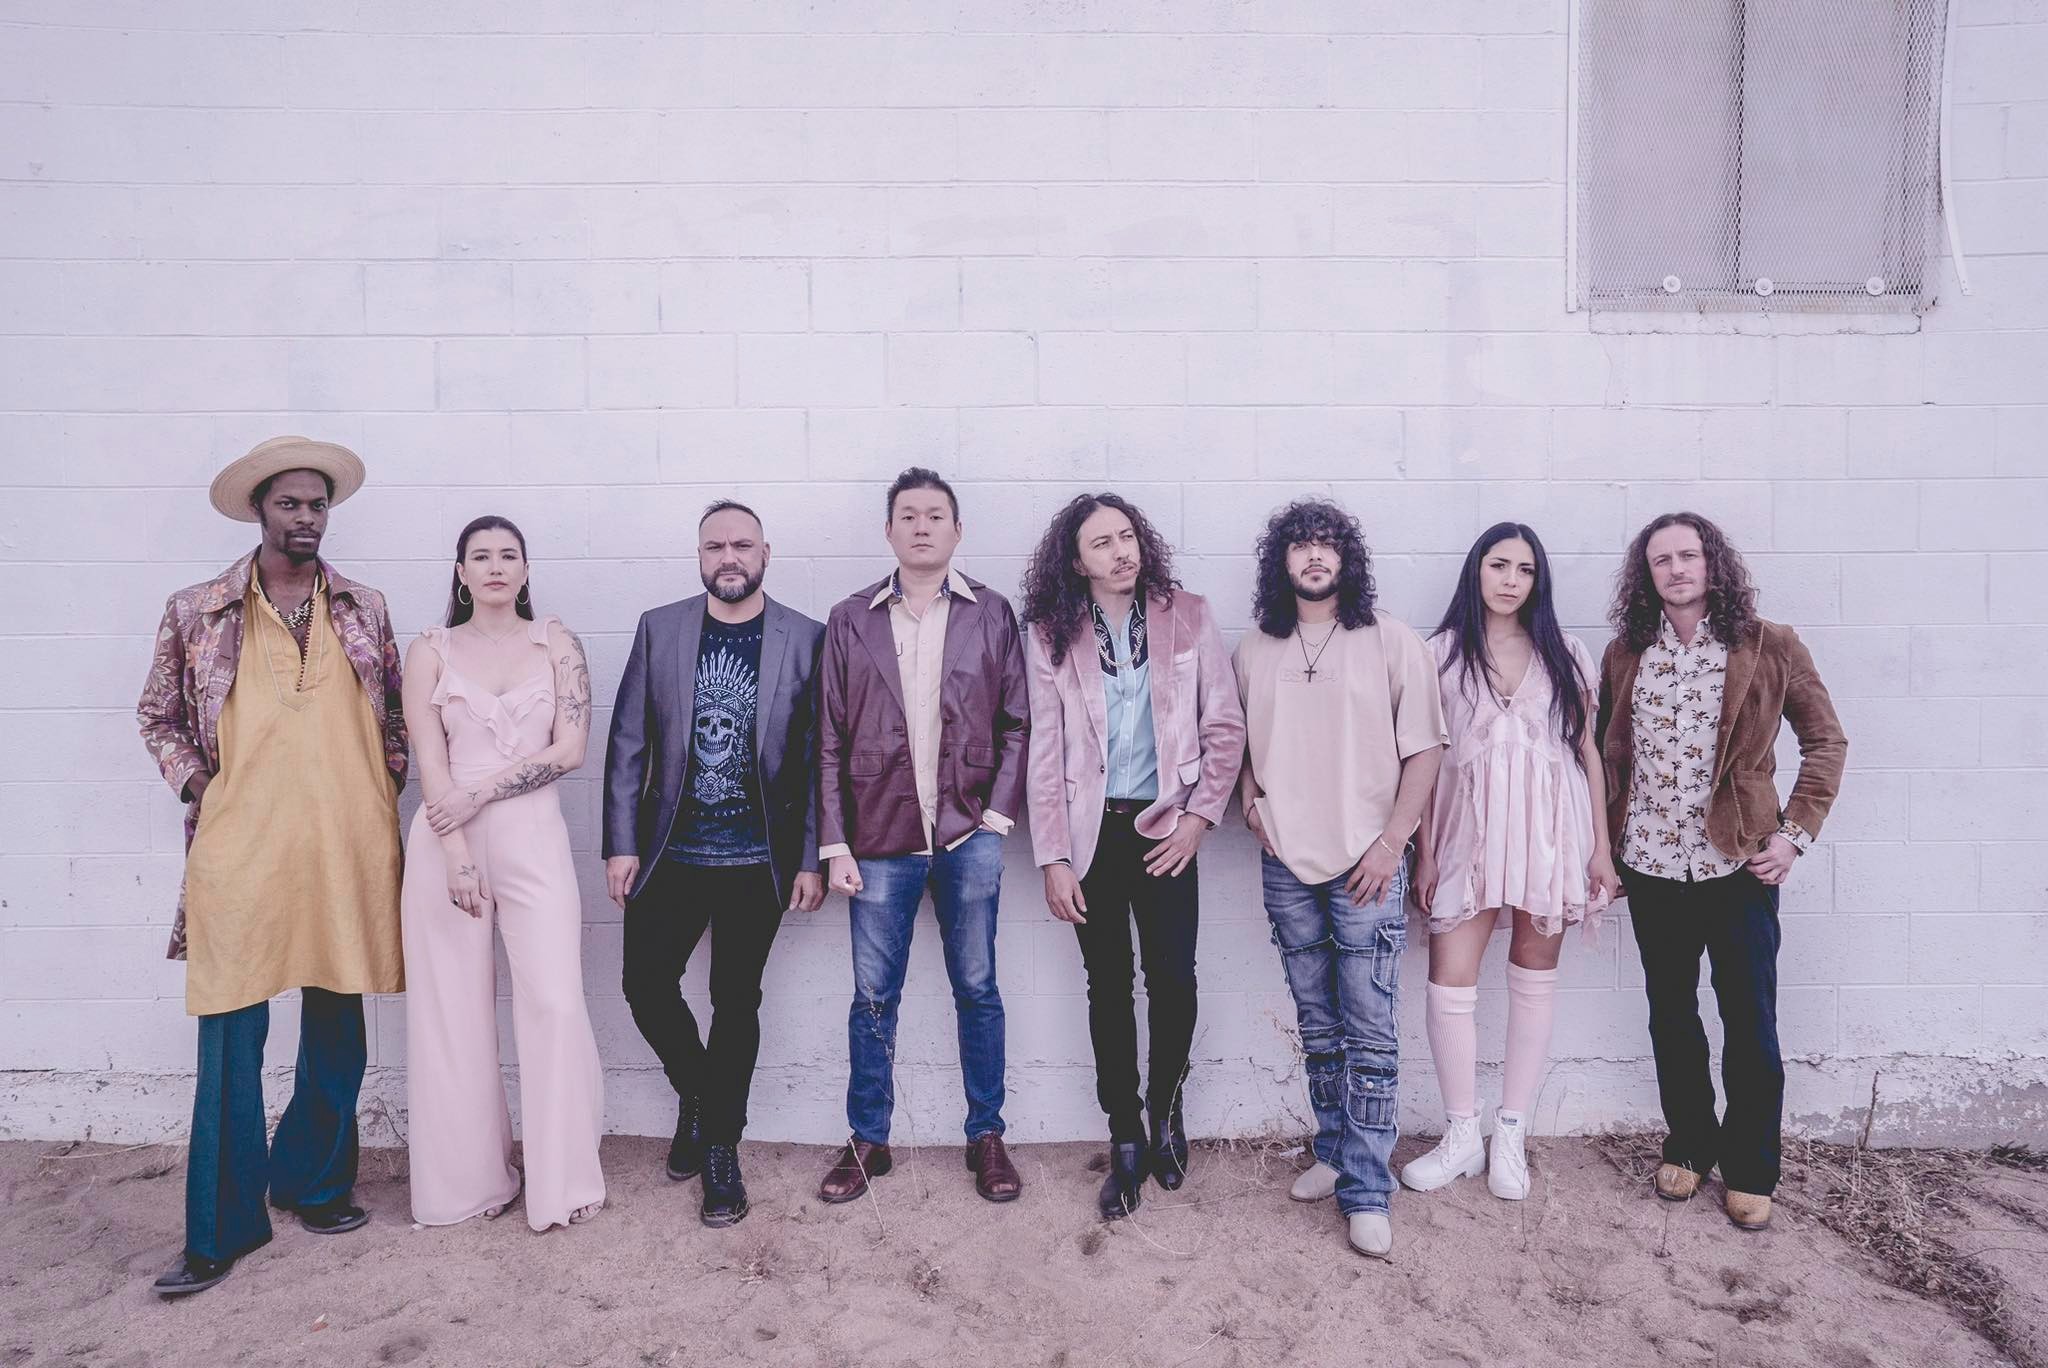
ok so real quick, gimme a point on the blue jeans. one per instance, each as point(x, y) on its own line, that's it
point(1343, 967)
point(965, 883)
point(310, 1162)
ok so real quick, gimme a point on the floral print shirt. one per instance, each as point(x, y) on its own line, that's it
point(199, 646)
point(1677, 702)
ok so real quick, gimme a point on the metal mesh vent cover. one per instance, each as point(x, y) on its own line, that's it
point(1758, 155)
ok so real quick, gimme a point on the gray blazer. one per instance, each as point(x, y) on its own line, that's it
point(647, 757)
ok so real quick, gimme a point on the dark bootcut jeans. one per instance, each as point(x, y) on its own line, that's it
point(1733, 921)
point(1119, 892)
point(965, 884)
point(312, 1159)
point(738, 905)
point(1343, 966)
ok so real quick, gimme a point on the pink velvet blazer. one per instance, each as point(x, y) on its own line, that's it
point(1197, 723)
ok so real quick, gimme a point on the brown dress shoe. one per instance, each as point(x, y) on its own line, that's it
point(995, 1177)
point(1676, 1182)
point(1749, 1210)
point(848, 1177)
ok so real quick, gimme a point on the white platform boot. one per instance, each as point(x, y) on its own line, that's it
point(1507, 1165)
point(1460, 1154)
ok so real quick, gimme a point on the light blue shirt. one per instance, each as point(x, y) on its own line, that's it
point(1133, 749)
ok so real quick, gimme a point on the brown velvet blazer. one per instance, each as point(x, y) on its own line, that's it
point(867, 790)
point(1771, 679)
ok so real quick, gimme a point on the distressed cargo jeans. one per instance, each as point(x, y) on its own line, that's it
point(1343, 967)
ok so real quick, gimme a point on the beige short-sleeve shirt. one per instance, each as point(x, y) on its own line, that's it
point(1326, 748)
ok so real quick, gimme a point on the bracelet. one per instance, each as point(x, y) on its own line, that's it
point(1382, 841)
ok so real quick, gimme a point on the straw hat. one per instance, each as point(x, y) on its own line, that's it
point(233, 486)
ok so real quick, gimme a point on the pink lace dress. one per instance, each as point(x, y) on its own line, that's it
point(1513, 815)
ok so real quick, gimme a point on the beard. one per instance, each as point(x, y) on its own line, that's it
point(1316, 595)
point(294, 552)
point(727, 594)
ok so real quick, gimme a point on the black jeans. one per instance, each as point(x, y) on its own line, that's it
point(1118, 892)
point(663, 925)
point(1733, 920)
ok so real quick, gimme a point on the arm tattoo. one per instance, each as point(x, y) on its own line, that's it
point(572, 673)
point(526, 779)
point(466, 872)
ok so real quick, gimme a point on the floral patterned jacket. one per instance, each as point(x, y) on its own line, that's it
point(199, 646)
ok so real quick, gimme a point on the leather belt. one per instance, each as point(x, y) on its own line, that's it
point(1126, 807)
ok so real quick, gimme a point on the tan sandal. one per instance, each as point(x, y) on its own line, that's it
point(492, 1213)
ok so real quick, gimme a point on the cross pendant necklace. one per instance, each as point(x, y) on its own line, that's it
point(1302, 641)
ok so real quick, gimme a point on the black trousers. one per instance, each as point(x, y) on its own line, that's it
point(1733, 921)
point(738, 905)
point(1119, 893)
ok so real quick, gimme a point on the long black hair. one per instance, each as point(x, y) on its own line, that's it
point(459, 611)
point(1464, 624)
point(1312, 520)
point(1056, 594)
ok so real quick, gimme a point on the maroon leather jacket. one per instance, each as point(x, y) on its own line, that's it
point(867, 791)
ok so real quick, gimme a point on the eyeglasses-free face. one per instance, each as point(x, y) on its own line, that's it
point(922, 530)
point(732, 555)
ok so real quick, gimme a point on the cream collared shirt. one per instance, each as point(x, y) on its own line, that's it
point(920, 636)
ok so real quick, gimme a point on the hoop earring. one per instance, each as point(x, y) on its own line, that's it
point(462, 595)
point(524, 600)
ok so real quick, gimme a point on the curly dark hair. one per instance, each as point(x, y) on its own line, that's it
point(1731, 593)
point(1056, 594)
point(1312, 520)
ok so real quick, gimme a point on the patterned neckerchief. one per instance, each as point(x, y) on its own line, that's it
point(1105, 641)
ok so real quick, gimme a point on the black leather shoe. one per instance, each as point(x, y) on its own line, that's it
point(686, 1151)
point(1167, 1159)
point(332, 1218)
point(192, 1274)
point(1125, 1186)
point(725, 1193)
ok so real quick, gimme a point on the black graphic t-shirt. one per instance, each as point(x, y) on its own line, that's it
point(719, 821)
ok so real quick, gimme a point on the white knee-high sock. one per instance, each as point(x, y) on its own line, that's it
point(1454, 1044)
point(1532, 1000)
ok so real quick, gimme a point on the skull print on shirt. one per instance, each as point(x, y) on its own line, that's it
point(720, 822)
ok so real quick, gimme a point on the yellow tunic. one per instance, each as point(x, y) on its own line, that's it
point(292, 879)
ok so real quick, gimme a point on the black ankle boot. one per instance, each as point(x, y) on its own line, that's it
point(1125, 1186)
point(686, 1151)
point(1168, 1156)
point(725, 1193)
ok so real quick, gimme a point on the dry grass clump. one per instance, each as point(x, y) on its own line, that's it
point(1894, 1206)
point(111, 1163)
point(1271, 1155)
point(1891, 1204)
point(2023, 1157)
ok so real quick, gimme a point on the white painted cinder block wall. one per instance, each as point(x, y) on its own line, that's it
point(591, 264)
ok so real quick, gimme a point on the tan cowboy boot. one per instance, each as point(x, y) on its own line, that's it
point(1749, 1210)
point(1676, 1183)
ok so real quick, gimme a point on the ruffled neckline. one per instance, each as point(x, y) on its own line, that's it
point(500, 714)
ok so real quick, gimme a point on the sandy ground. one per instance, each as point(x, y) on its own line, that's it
point(1591, 1269)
